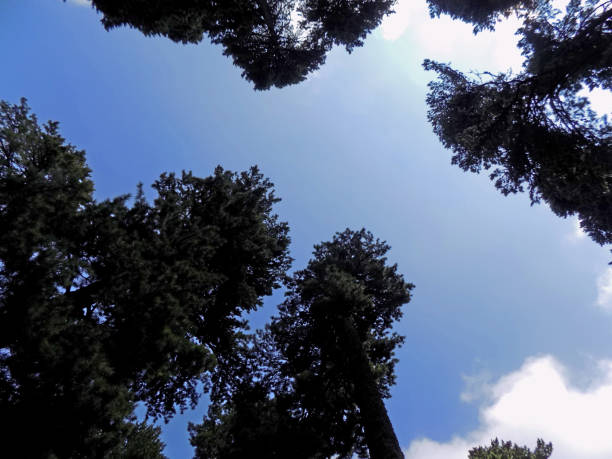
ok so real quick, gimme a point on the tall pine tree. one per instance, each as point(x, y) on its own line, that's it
point(535, 130)
point(313, 384)
point(274, 42)
point(104, 304)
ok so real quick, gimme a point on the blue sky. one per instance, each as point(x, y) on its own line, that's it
point(511, 301)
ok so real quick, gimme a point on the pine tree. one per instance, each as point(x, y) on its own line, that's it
point(482, 13)
point(535, 130)
point(103, 304)
point(508, 450)
point(313, 384)
point(274, 42)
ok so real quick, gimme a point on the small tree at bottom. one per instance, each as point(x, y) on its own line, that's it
point(508, 450)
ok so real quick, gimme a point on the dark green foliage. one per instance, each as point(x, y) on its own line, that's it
point(102, 304)
point(259, 35)
point(182, 274)
point(508, 450)
point(254, 411)
point(343, 22)
point(534, 130)
point(55, 379)
point(333, 331)
point(141, 442)
point(482, 13)
point(312, 384)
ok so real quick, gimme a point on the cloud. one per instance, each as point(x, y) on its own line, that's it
point(578, 231)
point(601, 100)
point(577, 234)
point(407, 14)
point(604, 280)
point(476, 386)
point(538, 401)
point(448, 40)
point(604, 290)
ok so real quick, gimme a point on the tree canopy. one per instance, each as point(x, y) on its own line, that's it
point(482, 13)
point(313, 383)
point(535, 130)
point(103, 304)
point(254, 411)
point(509, 450)
point(274, 42)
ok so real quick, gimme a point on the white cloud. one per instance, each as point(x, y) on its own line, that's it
point(538, 401)
point(477, 386)
point(448, 40)
point(457, 448)
point(601, 100)
point(407, 14)
point(577, 233)
point(604, 289)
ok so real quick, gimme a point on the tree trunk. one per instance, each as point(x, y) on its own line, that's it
point(379, 434)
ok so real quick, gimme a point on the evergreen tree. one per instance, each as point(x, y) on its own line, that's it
point(535, 129)
point(313, 384)
point(482, 13)
point(141, 441)
point(104, 304)
point(508, 450)
point(274, 42)
point(254, 411)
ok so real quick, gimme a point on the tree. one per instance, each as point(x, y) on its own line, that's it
point(483, 14)
point(274, 42)
point(508, 450)
point(333, 330)
point(330, 363)
point(141, 442)
point(535, 129)
point(254, 411)
point(103, 305)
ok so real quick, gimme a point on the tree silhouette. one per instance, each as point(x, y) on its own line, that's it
point(274, 42)
point(483, 14)
point(104, 304)
point(508, 450)
point(315, 380)
point(535, 129)
point(255, 412)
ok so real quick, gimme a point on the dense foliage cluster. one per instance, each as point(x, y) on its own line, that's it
point(253, 409)
point(482, 13)
point(274, 42)
point(312, 384)
point(104, 304)
point(508, 450)
point(536, 130)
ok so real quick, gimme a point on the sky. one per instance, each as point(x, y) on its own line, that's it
point(509, 333)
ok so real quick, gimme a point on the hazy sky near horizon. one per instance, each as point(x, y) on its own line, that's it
point(510, 330)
